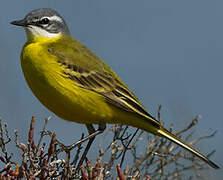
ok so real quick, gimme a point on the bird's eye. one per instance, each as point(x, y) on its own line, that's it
point(44, 21)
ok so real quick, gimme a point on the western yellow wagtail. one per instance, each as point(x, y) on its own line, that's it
point(78, 86)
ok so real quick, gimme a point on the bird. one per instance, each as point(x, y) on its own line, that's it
point(76, 85)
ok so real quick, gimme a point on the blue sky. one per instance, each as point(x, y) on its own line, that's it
point(167, 52)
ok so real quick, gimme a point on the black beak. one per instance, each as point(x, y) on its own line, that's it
point(22, 22)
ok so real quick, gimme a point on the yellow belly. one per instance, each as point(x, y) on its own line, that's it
point(59, 94)
point(64, 98)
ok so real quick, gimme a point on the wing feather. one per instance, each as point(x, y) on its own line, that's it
point(107, 86)
point(93, 74)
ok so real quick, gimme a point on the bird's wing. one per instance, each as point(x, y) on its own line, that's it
point(90, 72)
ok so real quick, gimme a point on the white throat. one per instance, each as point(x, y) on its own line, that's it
point(34, 31)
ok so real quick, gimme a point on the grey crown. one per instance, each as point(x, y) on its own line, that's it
point(53, 26)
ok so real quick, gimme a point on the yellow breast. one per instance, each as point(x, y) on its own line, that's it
point(58, 93)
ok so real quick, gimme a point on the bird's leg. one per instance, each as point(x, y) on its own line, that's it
point(92, 133)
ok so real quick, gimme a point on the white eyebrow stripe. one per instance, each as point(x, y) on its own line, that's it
point(54, 18)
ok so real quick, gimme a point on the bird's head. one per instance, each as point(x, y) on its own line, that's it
point(43, 22)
